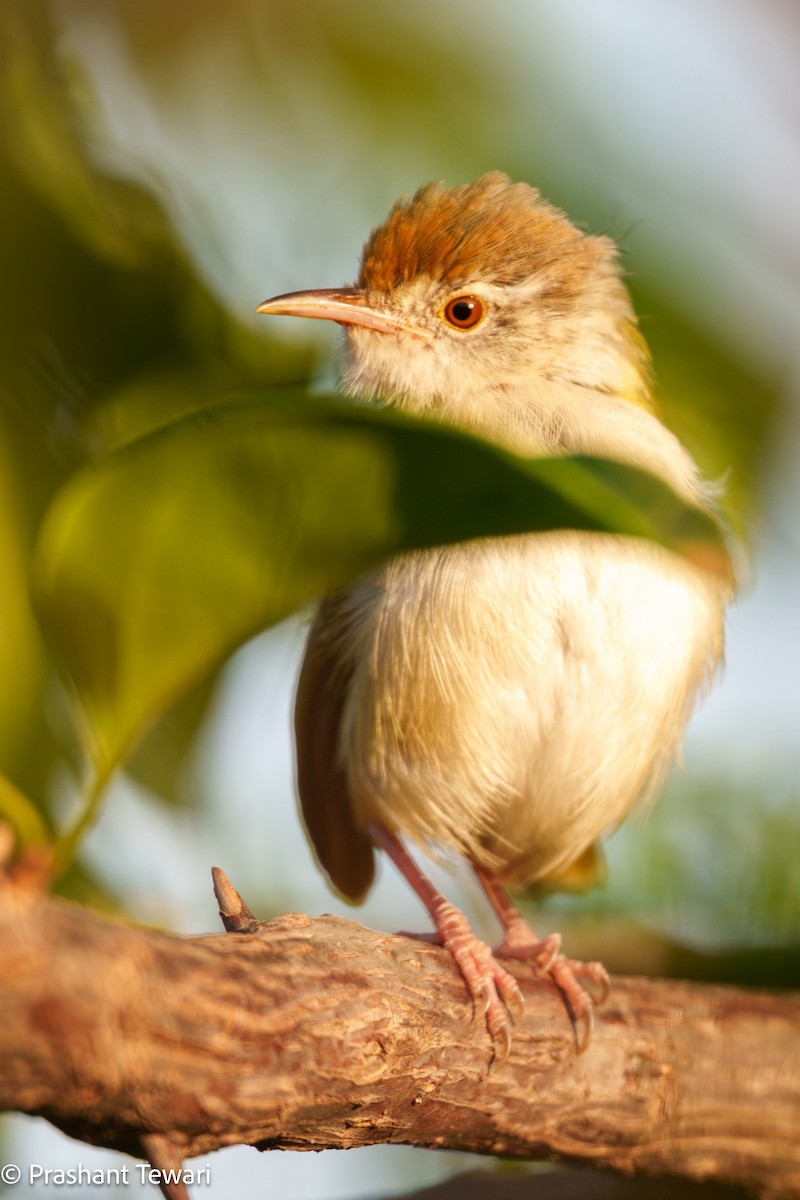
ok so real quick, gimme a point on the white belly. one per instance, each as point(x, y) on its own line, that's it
point(512, 698)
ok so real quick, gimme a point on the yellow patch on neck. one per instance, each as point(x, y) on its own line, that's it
point(637, 373)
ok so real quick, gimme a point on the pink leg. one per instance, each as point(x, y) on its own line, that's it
point(521, 942)
point(490, 985)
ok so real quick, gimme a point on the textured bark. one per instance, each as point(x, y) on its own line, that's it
point(305, 1034)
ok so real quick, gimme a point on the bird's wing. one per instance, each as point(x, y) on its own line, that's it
point(342, 848)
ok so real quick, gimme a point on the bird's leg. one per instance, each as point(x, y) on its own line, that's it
point(491, 987)
point(520, 941)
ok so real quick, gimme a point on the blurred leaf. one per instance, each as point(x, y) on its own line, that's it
point(116, 221)
point(713, 867)
point(715, 875)
point(21, 651)
point(717, 407)
point(361, 51)
point(159, 760)
point(158, 397)
point(157, 561)
point(18, 810)
point(100, 292)
point(78, 883)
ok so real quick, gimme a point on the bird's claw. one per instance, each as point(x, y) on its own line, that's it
point(495, 993)
point(566, 974)
point(521, 942)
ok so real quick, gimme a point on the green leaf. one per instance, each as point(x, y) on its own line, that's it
point(22, 814)
point(155, 562)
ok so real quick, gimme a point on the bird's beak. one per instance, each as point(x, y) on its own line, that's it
point(348, 306)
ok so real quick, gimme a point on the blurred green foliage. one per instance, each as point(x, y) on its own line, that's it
point(717, 407)
point(109, 331)
point(106, 332)
point(714, 883)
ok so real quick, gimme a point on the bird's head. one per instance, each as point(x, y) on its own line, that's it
point(483, 305)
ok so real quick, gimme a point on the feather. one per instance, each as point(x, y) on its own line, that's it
point(342, 848)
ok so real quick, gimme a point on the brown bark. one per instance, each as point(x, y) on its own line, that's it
point(305, 1034)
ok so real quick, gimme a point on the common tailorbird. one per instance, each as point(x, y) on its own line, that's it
point(508, 698)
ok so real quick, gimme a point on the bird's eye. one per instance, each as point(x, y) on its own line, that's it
point(463, 312)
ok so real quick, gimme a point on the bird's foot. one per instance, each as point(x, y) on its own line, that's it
point(521, 942)
point(494, 991)
point(566, 974)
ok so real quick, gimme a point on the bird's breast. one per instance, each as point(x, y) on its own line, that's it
point(510, 698)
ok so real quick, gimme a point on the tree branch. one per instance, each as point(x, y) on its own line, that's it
point(305, 1034)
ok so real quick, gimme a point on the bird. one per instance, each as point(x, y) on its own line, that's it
point(507, 700)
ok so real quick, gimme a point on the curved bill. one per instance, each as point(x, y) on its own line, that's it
point(348, 306)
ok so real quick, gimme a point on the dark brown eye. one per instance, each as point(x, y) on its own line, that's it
point(463, 312)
